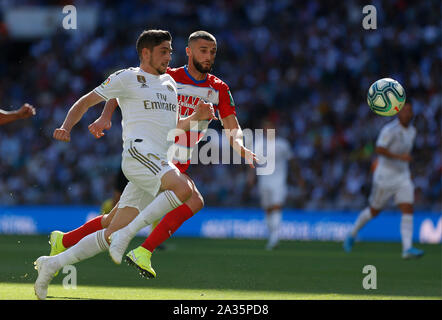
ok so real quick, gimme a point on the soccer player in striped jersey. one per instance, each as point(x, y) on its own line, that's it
point(150, 114)
point(392, 178)
point(194, 84)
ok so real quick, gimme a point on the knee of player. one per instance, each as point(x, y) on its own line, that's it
point(105, 221)
point(183, 191)
point(198, 200)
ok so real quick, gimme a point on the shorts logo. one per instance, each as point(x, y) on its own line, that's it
point(164, 163)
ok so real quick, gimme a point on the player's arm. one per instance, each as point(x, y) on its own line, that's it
point(24, 112)
point(203, 111)
point(104, 121)
point(235, 135)
point(74, 115)
point(386, 153)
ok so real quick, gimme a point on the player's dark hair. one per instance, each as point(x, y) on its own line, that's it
point(150, 39)
point(201, 35)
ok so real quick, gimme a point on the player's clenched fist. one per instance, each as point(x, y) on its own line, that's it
point(96, 128)
point(205, 111)
point(26, 111)
point(62, 135)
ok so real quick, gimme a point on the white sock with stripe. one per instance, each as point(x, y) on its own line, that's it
point(87, 247)
point(158, 208)
point(361, 221)
point(407, 231)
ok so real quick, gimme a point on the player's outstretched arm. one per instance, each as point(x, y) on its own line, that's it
point(234, 133)
point(203, 111)
point(74, 115)
point(24, 112)
point(104, 121)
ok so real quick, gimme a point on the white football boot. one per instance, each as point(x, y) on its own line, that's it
point(46, 271)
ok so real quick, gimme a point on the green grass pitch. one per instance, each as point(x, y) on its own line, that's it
point(230, 269)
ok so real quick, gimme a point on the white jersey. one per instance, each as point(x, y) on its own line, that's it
point(283, 153)
point(148, 106)
point(396, 139)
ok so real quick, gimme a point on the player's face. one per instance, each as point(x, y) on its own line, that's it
point(160, 57)
point(406, 114)
point(202, 54)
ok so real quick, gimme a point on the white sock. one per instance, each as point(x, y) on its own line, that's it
point(86, 248)
point(361, 221)
point(407, 231)
point(162, 204)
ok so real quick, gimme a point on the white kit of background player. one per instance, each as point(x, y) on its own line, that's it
point(392, 178)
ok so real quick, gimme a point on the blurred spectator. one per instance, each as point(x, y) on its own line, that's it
point(309, 63)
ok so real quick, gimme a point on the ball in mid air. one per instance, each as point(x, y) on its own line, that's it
point(386, 97)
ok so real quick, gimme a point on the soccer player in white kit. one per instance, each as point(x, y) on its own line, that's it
point(147, 97)
point(273, 187)
point(392, 178)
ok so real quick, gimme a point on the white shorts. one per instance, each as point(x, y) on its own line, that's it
point(144, 169)
point(135, 197)
point(272, 195)
point(402, 192)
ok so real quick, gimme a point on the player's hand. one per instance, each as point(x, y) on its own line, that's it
point(26, 111)
point(205, 111)
point(62, 134)
point(405, 157)
point(96, 128)
point(249, 156)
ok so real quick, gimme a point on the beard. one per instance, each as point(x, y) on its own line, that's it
point(157, 69)
point(200, 68)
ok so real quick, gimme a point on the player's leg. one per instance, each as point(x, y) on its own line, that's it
point(175, 190)
point(140, 257)
point(404, 198)
point(273, 219)
point(272, 199)
point(174, 219)
point(87, 247)
point(60, 241)
point(264, 196)
point(377, 200)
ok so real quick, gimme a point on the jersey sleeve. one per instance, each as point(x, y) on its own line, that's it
point(112, 87)
point(226, 105)
point(385, 138)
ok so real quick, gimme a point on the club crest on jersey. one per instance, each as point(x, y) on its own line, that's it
point(170, 88)
point(209, 93)
point(142, 80)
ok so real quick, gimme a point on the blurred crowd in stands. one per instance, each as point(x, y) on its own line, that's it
point(307, 65)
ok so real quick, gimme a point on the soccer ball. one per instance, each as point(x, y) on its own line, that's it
point(386, 97)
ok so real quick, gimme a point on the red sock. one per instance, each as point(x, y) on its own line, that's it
point(168, 225)
point(72, 237)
